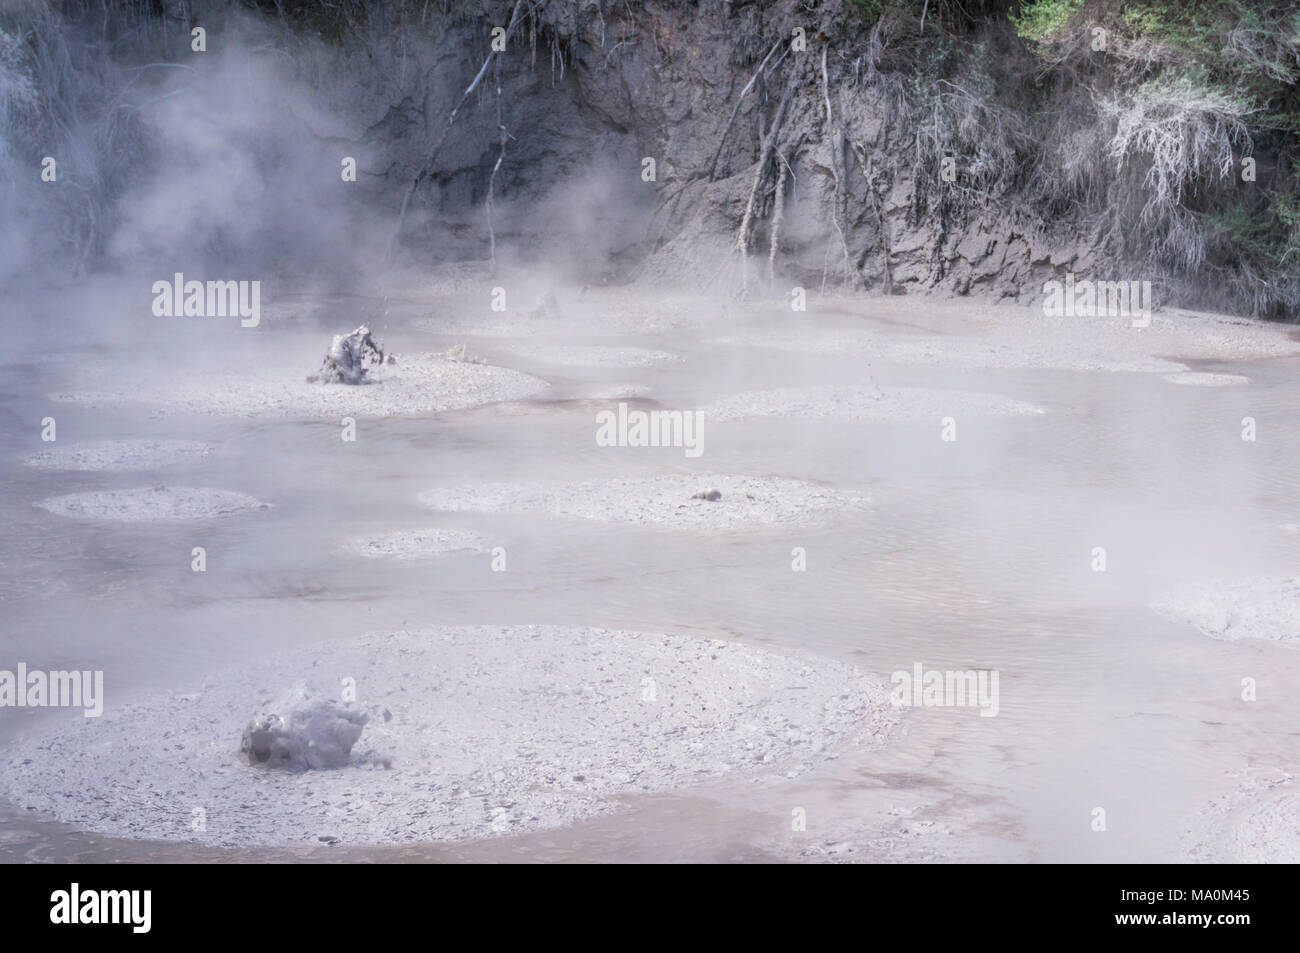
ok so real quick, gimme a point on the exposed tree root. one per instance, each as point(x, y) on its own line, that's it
point(427, 171)
point(713, 166)
point(778, 216)
point(492, 180)
point(865, 167)
point(760, 174)
point(837, 149)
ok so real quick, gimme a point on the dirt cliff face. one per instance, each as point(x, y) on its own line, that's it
point(743, 146)
point(764, 127)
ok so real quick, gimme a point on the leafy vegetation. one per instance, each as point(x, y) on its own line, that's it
point(1189, 95)
point(1045, 18)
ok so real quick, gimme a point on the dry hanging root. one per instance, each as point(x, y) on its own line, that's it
point(864, 165)
point(669, 197)
point(437, 146)
point(713, 166)
point(760, 173)
point(492, 181)
point(837, 149)
point(778, 211)
point(778, 215)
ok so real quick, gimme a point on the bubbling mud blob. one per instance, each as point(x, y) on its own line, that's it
point(142, 504)
point(119, 455)
point(864, 403)
point(469, 732)
point(671, 502)
point(1266, 608)
point(301, 731)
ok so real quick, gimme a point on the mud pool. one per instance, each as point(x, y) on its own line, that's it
point(968, 554)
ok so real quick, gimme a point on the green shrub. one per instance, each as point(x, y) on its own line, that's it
point(1041, 19)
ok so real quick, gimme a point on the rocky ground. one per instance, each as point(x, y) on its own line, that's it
point(472, 733)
